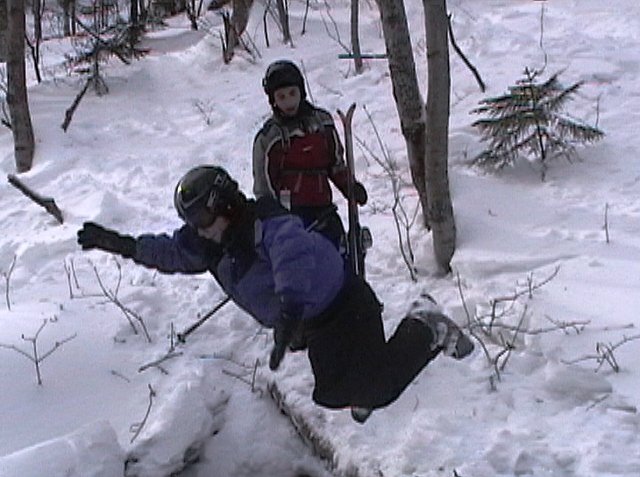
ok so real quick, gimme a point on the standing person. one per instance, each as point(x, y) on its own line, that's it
point(297, 152)
point(287, 278)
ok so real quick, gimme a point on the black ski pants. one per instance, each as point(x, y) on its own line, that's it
point(352, 363)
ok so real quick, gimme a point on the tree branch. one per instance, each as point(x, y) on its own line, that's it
point(68, 114)
point(47, 202)
point(464, 58)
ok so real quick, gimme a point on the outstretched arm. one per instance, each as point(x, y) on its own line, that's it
point(183, 252)
point(95, 236)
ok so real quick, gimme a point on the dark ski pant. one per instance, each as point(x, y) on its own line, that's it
point(352, 363)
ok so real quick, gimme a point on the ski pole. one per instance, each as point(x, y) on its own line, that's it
point(182, 336)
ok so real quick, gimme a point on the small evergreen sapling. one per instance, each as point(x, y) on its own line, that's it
point(529, 121)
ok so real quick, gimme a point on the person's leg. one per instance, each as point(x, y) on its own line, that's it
point(334, 346)
point(352, 363)
point(398, 362)
point(418, 339)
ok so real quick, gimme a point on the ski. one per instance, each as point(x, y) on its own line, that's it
point(358, 238)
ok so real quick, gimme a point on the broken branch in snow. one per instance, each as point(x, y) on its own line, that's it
point(47, 202)
point(68, 114)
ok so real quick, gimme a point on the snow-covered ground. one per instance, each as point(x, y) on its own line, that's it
point(553, 410)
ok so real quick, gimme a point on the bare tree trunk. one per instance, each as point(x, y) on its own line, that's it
point(72, 16)
point(66, 19)
point(355, 37)
point(24, 143)
point(406, 92)
point(143, 12)
point(437, 153)
point(239, 20)
point(36, 8)
point(133, 13)
point(283, 14)
point(3, 30)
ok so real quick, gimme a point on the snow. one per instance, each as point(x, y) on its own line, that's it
point(552, 411)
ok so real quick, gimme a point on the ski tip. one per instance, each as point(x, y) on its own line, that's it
point(350, 111)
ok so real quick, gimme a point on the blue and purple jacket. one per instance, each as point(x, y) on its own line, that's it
point(272, 264)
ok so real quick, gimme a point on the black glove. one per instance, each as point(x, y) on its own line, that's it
point(92, 235)
point(283, 333)
point(360, 193)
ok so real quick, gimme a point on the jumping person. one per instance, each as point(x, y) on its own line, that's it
point(291, 279)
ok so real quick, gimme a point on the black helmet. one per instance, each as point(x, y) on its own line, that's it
point(204, 193)
point(282, 73)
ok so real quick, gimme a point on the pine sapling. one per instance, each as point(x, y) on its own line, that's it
point(529, 121)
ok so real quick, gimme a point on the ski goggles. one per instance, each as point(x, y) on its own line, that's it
point(199, 208)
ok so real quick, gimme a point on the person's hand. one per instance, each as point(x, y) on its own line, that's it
point(93, 235)
point(360, 193)
point(283, 334)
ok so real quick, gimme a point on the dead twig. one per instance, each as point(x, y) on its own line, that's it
point(112, 296)
point(47, 202)
point(494, 331)
point(605, 353)
point(7, 281)
point(156, 363)
point(606, 222)
point(117, 374)
point(35, 357)
point(577, 325)
point(470, 320)
point(464, 58)
point(403, 220)
point(243, 377)
point(335, 34)
point(72, 280)
point(138, 426)
point(497, 310)
point(510, 345)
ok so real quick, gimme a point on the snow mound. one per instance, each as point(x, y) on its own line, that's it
point(91, 451)
point(173, 436)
